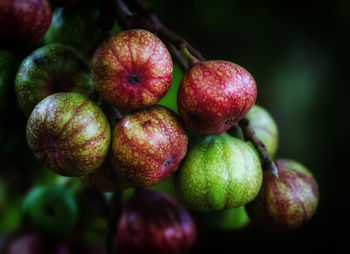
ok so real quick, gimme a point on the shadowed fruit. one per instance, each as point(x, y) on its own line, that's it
point(104, 179)
point(28, 243)
point(132, 69)
point(69, 134)
point(51, 211)
point(23, 22)
point(286, 202)
point(51, 69)
point(76, 26)
point(155, 223)
point(264, 127)
point(219, 172)
point(148, 145)
point(214, 95)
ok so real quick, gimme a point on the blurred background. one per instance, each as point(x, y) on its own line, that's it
point(297, 52)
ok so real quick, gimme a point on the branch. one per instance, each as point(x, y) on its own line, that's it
point(144, 18)
point(249, 135)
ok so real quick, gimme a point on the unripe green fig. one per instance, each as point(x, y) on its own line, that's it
point(219, 172)
point(51, 69)
point(75, 25)
point(50, 210)
point(224, 220)
point(286, 202)
point(69, 134)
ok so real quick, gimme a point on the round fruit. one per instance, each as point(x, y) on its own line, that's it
point(23, 21)
point(104, 179)
point(28, 243)
point(214, 95)
point(50, 210)
point(219, 172)
point(156, 223)
point(51, 69)
point(265, 128)
point(148, 146)
point(132, 70)
point(286, 202)
point(69, 134)
point(76, 26)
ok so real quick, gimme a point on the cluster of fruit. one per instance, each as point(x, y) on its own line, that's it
point(102, 122)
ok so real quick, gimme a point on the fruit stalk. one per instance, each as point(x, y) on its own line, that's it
point(249, 135)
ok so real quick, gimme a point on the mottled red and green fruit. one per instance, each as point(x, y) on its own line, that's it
point(148, 145)
point(219, 172)
point(214, 95)
point(132, 69)
point(69, 134)
point(286, 202)
point(51, 69)
point(152, 222)
point(23, 21)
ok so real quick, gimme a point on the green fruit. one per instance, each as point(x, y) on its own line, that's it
point(219, 172)
point(75, 26)
point(51, 69)
point(50, 210)
point(225, 220)
point(265, 128)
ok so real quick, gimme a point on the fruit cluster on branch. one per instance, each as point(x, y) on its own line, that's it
point(93, 113)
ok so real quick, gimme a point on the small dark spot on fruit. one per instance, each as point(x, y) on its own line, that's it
point(38, 59)
point(146, 123)
point(230, 120)
point(168, 162)
point(50, 210)
point(133, 79)
point(52, 147)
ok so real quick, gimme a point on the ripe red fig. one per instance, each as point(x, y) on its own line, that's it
point(148, 145)
point(29, 243)
point(286, 202)
point(69, 134)
point(23, 21)
point(132, 70)
point(214, 95)
point(152, 222)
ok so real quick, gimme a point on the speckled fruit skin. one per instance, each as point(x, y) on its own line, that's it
point(264, 127)
point(23, 21)
point(69, 134)
point(214, 95)
point(155, 223)
point(61, 3)
point(148, 145)
point(51, 69)
point(132, 69)
point(104, 179)
point(288, 202)
point(219, 172)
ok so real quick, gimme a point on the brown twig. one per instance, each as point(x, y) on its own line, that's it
point(249, 135)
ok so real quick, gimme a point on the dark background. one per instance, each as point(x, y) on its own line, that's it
point(297, 53)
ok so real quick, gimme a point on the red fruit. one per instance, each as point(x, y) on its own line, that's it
point(155, 223)
point(286, 202)
point(23, 21)
point(104, 179)
point(132, 70)
point(148, 146)
point(29, 243)
point(214, 95)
